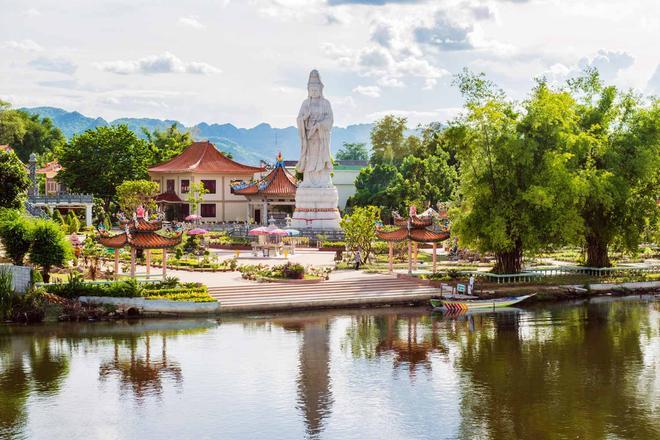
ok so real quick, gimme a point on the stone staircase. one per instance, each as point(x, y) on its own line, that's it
point(365, 290)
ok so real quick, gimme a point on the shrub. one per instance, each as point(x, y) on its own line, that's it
point(292, 271)
point(16, 236)
point(49, 246)
point(73, 223)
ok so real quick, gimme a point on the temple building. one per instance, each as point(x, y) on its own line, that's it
point(202, 162)
point(50, 170)
point(272, 196)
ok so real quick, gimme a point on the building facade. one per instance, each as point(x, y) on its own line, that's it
point(202, 162)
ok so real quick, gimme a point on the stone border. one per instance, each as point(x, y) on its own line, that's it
point(155, 305)
point(292, 281)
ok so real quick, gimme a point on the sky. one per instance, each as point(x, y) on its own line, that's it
point(246, 62)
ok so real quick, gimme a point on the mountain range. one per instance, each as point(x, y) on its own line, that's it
point(247, 145)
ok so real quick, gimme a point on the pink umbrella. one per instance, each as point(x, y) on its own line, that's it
point(192, 217)
point(198, 231)
point(277, 231)
point(262, 230)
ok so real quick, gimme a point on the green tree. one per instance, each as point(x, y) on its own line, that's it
point(196, 195)
point(27, 133)
point(99, 160)
point(15, 234)
point(165, 144)
point(516, 189)
point(618, 153)
point(360, 228)
point(353, 151)
point(50, 247)
point(426, 180)
point(134, 193)
point(374, 185)
point(14, 181)
point(388, 140)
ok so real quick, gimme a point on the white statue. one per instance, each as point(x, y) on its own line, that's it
point(316, 196)
point(314, 126)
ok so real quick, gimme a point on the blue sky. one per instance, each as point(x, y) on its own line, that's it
point(247, 62)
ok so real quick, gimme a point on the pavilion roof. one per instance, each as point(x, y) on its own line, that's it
point(279, 182)
point(168, 197)
point(6, 148)
point(140, 240)
point(421, 235)
point(203, 157)
point(50, 169)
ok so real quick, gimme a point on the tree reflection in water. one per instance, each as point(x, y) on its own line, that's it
point(408, 338)
point(568, 373)
point(141, 373)
point(28, 366)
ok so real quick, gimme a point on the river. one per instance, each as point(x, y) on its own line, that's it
point(588, 370)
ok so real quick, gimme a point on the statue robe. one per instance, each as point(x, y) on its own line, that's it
point(315, 148)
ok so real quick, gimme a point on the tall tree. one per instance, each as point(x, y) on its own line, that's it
point(14, 181)
point(388, 140)
point(516, 190)
point(353, 151)
point(374, 185)
point(134, 193)
point(99, 160)
point(360, 228)
point(165, 144)
point(49, 246)
point(618, 154)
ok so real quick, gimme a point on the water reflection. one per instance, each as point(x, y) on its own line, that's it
point(587, 371)
point(142, 373)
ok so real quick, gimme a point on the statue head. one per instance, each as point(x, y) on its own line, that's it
point(314, 85)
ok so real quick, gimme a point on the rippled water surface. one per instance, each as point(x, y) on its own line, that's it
point(588, 371)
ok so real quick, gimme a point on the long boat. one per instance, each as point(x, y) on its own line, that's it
point(476, 304)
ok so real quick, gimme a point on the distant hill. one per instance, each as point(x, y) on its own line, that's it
point(248, 145)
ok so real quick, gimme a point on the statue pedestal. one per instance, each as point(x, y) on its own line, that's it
point(316, 208)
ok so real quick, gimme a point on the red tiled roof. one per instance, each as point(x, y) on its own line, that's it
point(6, 148)
point(141, 225)
point(421, 235)
point(50, 167)
point(279, 182)
point(203, 157)
point(140, 240)
point(168, 197)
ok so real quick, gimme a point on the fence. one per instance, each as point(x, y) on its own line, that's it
point(21, 276)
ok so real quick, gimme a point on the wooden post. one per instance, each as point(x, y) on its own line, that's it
point(390, 245)
point(116, 264)
point(133, 251)
point(164, 263)
point(435, 246)
point(148, 261)
point(410, 262)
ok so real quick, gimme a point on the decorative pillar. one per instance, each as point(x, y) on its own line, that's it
point(164, 263)
point(147, 256)
point(410, 262)
point(88, 215)
point(116, 264)
point(133, 252)
point(32, 166)
point(390, 260)
point(264, 214)
point(435, 246)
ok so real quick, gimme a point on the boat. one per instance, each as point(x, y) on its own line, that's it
point(476, 304)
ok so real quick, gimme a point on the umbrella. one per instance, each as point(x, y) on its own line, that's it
point(262, 230)
point(198, 231)
point(192, 217)
point(277, 231)
point(292, 232)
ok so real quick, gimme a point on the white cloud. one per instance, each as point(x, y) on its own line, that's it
point(61, 65)
point(370, 91)
point(32, 12)
point(23, 45)
point(419, 117)
point(653, 86)
point(192, 22)
point(164, 63)
point(608, 63)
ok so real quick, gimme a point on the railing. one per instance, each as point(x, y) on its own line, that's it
point(61, 198)
point(35, 211)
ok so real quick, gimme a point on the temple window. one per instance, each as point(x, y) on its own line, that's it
point(185, 185)
point(170, 185)
point(207, 209)
point(210, 186)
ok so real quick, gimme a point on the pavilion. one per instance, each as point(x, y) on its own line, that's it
point(140, 233)
point(412, 229)
point(272, 196)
